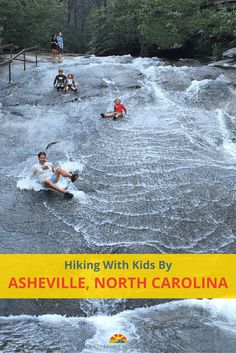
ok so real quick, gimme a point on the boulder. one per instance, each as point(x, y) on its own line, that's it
point(225, 64)
point(231, 53)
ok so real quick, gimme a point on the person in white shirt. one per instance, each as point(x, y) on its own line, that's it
point(70, 83)
point(46, 174)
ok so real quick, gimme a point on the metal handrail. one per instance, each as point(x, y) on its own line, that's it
point(7, 46)
point(9, 61)
point(11, 46)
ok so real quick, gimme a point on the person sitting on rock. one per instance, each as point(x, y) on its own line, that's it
point(119, 111)
point(70, 83)
point(60, 80)
point(47, 175)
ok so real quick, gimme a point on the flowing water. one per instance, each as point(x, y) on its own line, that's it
point(161, 180)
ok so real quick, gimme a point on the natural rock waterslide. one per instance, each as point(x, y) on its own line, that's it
point(162, 180)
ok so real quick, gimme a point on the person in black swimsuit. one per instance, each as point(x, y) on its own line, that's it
point(54, 46)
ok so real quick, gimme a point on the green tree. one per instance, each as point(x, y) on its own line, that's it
point(125, 26)
point(166, 23)
point(114, 27)
point(30, 22)
point(218, 30)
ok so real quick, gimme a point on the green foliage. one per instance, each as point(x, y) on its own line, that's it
point(166, 23)
point(126, 26)
point(30, 22)
point(114, 27)
point(74, 42)
point(218, 29)
point(122, 26)
point(129, 24)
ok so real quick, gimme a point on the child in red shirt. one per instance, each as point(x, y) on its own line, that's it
point(119, 111)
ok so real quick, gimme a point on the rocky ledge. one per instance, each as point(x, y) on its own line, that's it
point(229, 60)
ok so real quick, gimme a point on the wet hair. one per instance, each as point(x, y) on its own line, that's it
point(41, 154)
point(117, 99)
point(70, 76)
point(60, 70)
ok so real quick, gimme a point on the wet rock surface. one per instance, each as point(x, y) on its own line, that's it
point(161, 180)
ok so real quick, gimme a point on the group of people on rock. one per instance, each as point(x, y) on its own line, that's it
point(44, 171)
point(65, 83)
point(57, 46)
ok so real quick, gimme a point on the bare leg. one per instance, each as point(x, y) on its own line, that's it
point(118, 115)
point(59, 171)
point(54, 55)
point(49, 183)
point(110, 115)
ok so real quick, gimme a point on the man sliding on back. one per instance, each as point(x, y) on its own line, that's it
point(47, 175)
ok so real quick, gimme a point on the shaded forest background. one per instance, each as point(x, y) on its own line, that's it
point(187, 28)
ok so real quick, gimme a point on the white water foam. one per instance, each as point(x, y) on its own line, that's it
point(25, 183)
point(223, 78)
point(32, 184)
point(230, 148)
point(196, 86)
point(72, 166)
point(81, 196)
point(106, 327)
point(220, 313)
point(228, 145)
point(225, 308)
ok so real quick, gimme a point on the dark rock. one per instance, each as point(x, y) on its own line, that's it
point(133, 49)
point(231, 53)
point(114, 51)
point(69, 307)
point(225, 64)
point(184, 51)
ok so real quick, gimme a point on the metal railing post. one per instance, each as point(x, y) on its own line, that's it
point(10, 71)
point(13, 57)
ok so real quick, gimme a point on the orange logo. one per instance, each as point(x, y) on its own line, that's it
point(118, 338)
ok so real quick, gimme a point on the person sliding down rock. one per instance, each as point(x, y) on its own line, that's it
point(48, 176)
point(119, 111)
point(60, 80)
